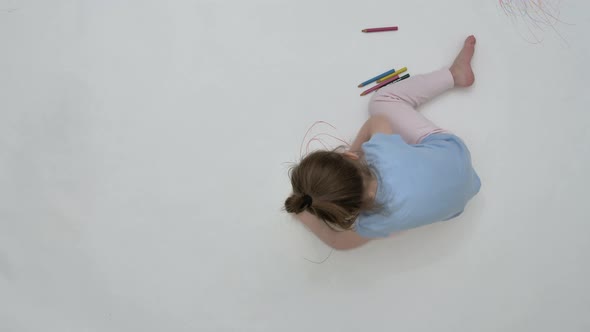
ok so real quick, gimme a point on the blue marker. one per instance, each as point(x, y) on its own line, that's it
point(376, 78)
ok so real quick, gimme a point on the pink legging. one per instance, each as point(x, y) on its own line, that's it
point(398, 102)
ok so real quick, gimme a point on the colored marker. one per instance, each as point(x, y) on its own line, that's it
point(380, 29)
point(376, 78)
point(378, 86)
point(399, 79)
point(391, 75)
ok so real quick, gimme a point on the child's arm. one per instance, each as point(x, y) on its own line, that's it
point(375, 124)
point(339, 240)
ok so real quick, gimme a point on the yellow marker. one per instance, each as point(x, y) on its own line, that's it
point(391, 75)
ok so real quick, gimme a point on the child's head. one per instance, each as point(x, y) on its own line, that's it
point(330, 185)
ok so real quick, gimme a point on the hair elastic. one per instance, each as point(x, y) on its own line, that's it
point(307, 201)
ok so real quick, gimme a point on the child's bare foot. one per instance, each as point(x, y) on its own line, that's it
point(461, 68)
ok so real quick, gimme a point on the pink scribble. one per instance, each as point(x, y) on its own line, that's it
point(321, 138)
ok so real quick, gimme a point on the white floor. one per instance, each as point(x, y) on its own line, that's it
point(144, 148)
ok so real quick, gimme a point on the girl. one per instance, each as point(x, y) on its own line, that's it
point(401, 172)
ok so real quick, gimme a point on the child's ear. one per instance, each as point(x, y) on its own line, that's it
point(351, 155)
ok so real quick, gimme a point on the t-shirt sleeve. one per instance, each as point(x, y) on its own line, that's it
point(365, 228)
point(382, 152)
point(380, 146)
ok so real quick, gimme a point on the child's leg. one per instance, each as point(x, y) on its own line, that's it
point(398, 101)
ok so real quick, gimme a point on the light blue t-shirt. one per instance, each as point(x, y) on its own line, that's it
point(417, 184)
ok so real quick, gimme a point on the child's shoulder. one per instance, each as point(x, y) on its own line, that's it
point(379, 143)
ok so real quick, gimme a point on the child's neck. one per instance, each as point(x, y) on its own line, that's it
point(371, 189)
